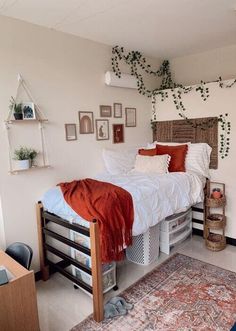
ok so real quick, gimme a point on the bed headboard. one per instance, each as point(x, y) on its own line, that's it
point(183, 131)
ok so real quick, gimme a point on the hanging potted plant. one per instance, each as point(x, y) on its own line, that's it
point(24, 157)
point(32, 155)
point(16, 108)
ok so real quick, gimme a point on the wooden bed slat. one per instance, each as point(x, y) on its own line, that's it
point(66, 241)
point(182, 131)
point(68, 275)
point(60, 221)
point(68, 258)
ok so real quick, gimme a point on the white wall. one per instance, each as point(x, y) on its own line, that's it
point(65, 74)
point(2, 231)
point(209, 66)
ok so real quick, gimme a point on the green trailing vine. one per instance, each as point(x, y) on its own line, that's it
point(137, 63)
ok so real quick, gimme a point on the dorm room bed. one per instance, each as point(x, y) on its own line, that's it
point(66, 219)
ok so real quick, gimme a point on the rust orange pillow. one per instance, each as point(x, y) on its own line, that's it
point(177, 154)
point(147, 152)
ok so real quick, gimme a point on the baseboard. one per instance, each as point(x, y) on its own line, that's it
point(229, 241)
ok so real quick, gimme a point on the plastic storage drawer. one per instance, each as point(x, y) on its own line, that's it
point(174, 221)
point(175, 229)
point(108, 277)
point(81, 239)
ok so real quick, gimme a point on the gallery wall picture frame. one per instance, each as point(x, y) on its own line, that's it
point(118, 133)
point(105, 111)
point(86, 123)
point(28, 111)
point(102, 129)
point(130, 117)
point(117, 108)
point(71, 132)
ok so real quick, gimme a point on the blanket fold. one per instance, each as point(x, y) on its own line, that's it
point(111, 206)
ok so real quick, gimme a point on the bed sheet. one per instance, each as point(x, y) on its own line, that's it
point(155, 196)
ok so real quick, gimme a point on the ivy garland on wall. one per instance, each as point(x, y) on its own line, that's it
point(137, 62)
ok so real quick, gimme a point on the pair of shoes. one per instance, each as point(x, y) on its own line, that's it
point(111, 310)
point(117, 306)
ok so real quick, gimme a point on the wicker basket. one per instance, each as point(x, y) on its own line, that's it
point(215, 242)
point(215, 203)
point(216, 221)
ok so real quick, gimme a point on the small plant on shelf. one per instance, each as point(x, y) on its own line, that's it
point(25, 157)
point(16, 108)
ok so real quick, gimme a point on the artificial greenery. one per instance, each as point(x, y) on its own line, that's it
point(137, 62)
point(24, 153)
point(16, 107)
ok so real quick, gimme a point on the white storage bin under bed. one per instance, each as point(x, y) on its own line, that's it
point(108, 276)
point(108, 269)
point(174, 230)
point(145, 247)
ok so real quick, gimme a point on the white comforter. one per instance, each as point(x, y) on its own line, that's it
point(154, 197)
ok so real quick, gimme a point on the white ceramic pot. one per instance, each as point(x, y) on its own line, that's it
point(22, 164)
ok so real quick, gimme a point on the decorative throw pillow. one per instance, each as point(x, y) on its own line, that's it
point(147, 152)
point(149, 164)
point(177, 154)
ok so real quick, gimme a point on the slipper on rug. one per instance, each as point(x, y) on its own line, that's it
point(120, 302)
point(111, 311)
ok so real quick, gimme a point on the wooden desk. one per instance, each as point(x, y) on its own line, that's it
point(18, 303)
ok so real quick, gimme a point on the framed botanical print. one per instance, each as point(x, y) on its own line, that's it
point(71, 133)
point(86, 124)
point(117, 107)
point(118, 133)
point(130, 117)
point(105, 111)
point(102, 129)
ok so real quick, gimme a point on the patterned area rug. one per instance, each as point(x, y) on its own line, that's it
point(181, 294)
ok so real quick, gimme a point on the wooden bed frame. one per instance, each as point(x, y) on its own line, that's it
point(166, 131)
point(43, 218)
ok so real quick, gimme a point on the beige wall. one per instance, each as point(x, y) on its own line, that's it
point(206, 66)
point(209, 66)
point(65, 74)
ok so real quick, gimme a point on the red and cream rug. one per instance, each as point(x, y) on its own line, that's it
point(181, 294)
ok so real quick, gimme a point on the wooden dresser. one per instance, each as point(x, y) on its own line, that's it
point(18, 302)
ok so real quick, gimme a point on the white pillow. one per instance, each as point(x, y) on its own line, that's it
point(119, 162)
point(197, 158)
point(148, 164)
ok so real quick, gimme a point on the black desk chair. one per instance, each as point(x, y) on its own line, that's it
point(20, 252)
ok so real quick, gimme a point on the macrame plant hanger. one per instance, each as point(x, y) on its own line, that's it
point(40, 118)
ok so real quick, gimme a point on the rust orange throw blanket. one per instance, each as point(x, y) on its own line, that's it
point(110, 205)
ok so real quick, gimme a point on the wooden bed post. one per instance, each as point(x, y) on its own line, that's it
point(40, 223)
point(96, 272)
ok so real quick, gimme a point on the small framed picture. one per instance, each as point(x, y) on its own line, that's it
point(102, 129)
point(117, 110)
point(86, 124)
point(105, 111)
point(71, 133)
point(130, 117)
point(118, 133)
point(28, 111)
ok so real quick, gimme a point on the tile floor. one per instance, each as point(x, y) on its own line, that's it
point(61, 306)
